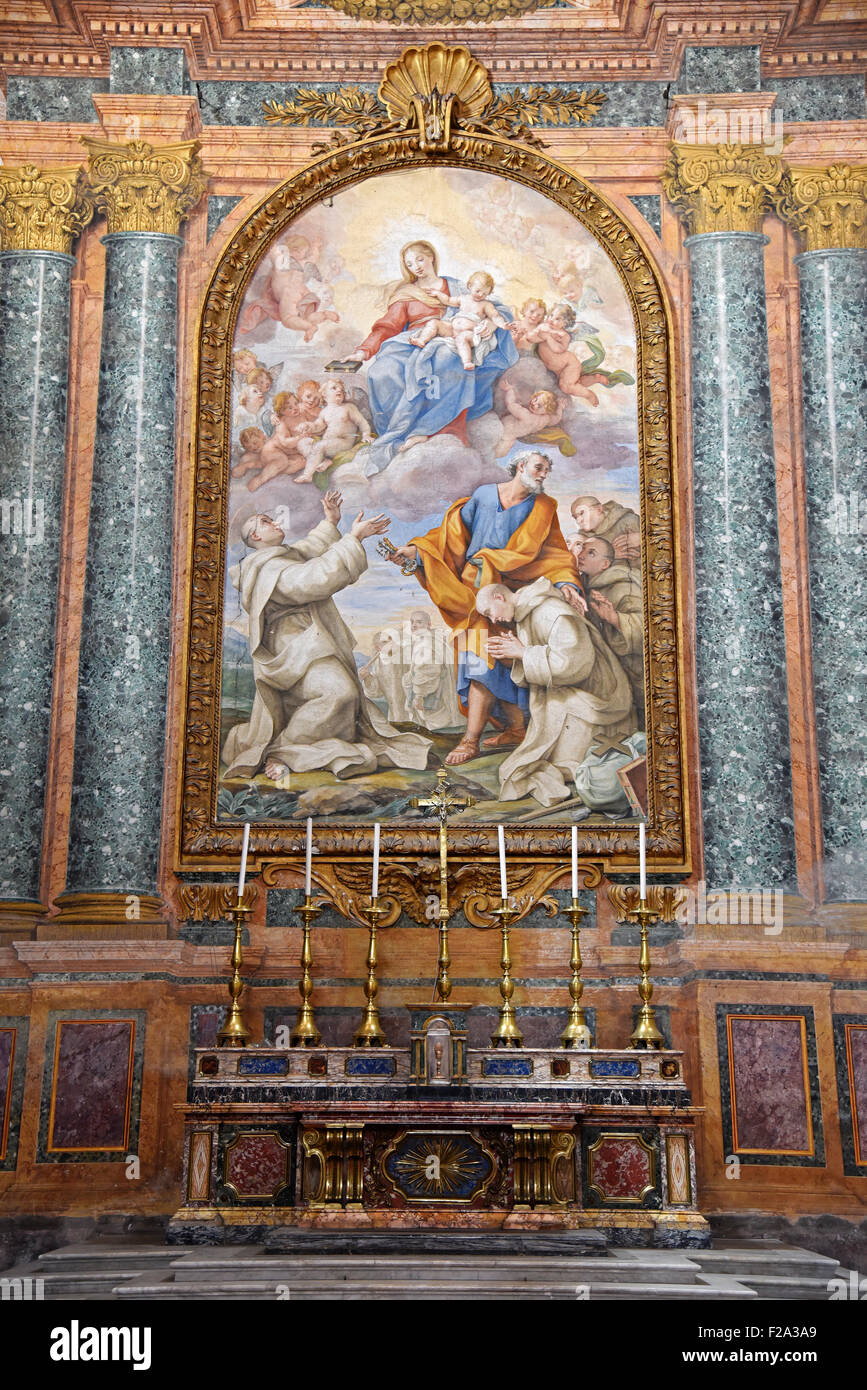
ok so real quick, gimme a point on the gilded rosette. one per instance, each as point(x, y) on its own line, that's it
point(42, 209)
point(827, 206)
point(142, 187)
point(721, 188)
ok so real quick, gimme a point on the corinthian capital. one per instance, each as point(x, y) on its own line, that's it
point(828, 206)
point(721, 188)
point(42, 209)
point(142, 187)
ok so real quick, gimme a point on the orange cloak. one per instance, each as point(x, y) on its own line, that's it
point(536, 549)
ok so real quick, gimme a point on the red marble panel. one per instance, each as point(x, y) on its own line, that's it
point(620, 1167)
point(256, 1165)
point(7, 1056)
point(856, 1048)
point(770, 1094)
point(92, 1084)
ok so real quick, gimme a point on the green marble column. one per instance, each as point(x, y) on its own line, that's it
point(35, 275)
point(829, 208)
point(740, 652)
point(119, 758)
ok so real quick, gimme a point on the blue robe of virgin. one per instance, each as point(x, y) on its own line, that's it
point(421, 390)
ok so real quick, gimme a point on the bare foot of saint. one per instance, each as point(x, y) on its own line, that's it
point(467, 749)
point(275, 770)
point(413, 439)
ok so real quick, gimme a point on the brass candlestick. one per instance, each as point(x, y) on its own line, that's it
point(370, 1034)
point(646, 1033)
point(234, 1032)
point(305, 1033)
point(576, 1033)
point(507, 1032)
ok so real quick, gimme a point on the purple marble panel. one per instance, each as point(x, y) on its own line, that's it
point(256, 1165)
point(770, 1104)
point(205, 1029)
point(93, 1062)
point(856, 1036)
point(7, 1053)
point(621, 1168)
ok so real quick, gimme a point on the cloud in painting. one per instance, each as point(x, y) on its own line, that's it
point(428, 476)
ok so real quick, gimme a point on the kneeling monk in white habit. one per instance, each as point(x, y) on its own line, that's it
point(309, 712)
point(578, 689)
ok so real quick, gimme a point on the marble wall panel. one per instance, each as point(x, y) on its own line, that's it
point(13, 1063)
point(620, 1169)
point(721, 68)
point(53, 98)
point(146, 70)
point(850, 1053)
point(218, 208)
point(771, 1107)
point(650, 207)
point(838, 98)
point(91, 1087)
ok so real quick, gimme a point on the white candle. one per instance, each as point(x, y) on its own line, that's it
point(309, 860)
point(374, 891)
point(574, 861)
point(504, 889)
point(243, 874)
point(642, 863)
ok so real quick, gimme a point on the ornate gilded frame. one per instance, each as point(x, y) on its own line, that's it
point(436, 100)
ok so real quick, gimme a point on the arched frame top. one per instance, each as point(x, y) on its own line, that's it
point(538, 855)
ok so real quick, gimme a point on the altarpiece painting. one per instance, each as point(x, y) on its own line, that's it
point(434, 514)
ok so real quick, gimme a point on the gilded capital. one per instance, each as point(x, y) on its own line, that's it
point(142, 187)
point(42, 209)
point(721, 188)
point(827, 206)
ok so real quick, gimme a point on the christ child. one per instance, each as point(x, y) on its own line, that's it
point(532, 313)
point(339, 427)
point(544, 410)
point(251, 439)
point(472, 325)
point(554, 340)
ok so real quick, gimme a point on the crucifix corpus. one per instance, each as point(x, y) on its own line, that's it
point(443, 800)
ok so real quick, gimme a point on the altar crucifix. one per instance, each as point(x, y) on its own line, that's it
point(443, 800)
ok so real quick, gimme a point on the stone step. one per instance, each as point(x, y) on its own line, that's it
point(764, 1258)
point(672, 1267)
point(298, 1241)
point(137, 1255)
point(147, 1289)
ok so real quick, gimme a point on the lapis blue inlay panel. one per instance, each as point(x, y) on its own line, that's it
point(365, 1065)
point(262, 1066)
point(598, 1070)
point(507, 1066)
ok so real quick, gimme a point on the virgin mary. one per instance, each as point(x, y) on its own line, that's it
point(418, 392)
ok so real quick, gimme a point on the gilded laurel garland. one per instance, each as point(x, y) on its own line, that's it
point(721, 188)
point(827, 206)
point(353, 112)
point(142, 187)
point(42, 209)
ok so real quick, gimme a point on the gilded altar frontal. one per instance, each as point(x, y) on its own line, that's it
point(432, 651)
